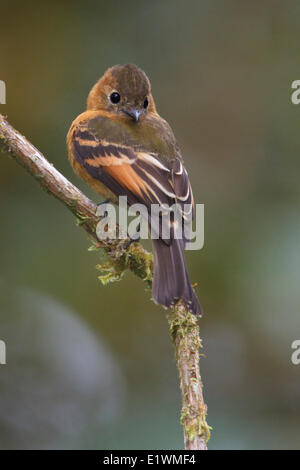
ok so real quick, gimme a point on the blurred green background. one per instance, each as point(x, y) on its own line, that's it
point(91, 366)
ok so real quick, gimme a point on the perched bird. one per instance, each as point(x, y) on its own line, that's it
point(121, 147)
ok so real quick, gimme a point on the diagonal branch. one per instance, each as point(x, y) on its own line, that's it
point(184, 326)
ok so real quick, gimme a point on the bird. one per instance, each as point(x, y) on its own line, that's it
point(121, 146)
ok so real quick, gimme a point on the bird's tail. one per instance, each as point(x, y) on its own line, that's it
point(170, 278)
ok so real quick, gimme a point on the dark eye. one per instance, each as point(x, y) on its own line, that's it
point(146, 102)
point(115, 97)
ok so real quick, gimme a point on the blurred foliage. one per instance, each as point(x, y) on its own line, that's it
point(221, 74)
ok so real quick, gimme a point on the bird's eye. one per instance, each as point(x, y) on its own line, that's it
point(146, 102)
point(115, 97)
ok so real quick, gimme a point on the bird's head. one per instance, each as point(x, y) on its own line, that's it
point(124, 90)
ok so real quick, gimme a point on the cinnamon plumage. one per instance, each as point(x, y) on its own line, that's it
point(121, 147)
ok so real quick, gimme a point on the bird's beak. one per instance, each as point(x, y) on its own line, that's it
point(134, 113)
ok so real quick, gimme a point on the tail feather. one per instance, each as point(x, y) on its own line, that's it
point(170, 278)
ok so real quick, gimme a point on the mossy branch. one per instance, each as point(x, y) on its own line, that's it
point(184, 326)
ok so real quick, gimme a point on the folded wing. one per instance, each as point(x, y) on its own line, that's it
point(141, 176)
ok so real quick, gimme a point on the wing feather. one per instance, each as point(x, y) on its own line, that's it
point(142, 176)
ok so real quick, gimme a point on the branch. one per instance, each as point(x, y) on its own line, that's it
point(184, 326)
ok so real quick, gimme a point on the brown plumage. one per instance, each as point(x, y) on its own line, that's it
point(121, 146)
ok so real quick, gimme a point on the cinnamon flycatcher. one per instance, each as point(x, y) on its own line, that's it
point(121, 147)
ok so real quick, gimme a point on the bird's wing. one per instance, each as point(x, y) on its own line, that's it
point(139, 175)
point(142, 176)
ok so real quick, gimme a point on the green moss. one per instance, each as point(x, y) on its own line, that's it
point(203, 428)
point(140, 262)
point(110, 272)
point(184, 330)
point(121, 258)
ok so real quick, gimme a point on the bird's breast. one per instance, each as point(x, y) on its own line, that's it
point(152, 135)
